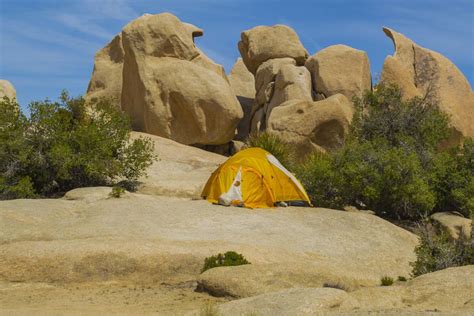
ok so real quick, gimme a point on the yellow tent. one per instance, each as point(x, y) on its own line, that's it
point(253, 178)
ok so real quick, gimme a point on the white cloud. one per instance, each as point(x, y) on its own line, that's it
point(84, 25)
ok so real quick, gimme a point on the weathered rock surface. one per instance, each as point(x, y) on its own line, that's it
point(262, 43)
point(302, 301)
point(310, 126)
point(73, 240)
point(422, 72)
point(449, 290)
point(340, 69)
point(277, 81)
point(166, 84)
point(180, 171)
point(455, 224)
point(7, 90)
point(292, 83)
point(106, 80)
point(181, 101)
point(243, 84)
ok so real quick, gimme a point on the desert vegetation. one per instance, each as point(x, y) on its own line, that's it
point(64, 145)
point(395, 164)
point(230, 258)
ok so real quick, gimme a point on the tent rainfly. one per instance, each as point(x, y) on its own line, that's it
point(254, 178)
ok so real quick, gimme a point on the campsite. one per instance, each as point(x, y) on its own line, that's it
point(236, 159)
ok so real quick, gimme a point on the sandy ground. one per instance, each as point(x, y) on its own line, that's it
point(102, 298)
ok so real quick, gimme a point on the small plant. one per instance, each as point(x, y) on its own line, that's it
point(230, 258)
point(116, 192)
point(437, 251)
point(386, 281)
point(275, 146)
point(402, 278)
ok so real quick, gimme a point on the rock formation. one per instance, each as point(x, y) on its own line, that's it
point(340, 69)
point(312, 126)
point(263, 43)
point(286, 90)
point(424, 73)
point(165, 83)
point(7, 90)
point(243, 84)
point(106, 80)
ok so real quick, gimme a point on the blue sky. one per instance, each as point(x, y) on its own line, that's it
point(49, 45)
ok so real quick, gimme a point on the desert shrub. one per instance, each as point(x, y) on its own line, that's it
point(388, 180)
point(65, 145)
point(386, 281)
point(415, 125)
point(230, 258)
point(437, 251)
point(274, 145)
point(452, 178)
point(402, 278)
point(117, 191)
point(391, 162)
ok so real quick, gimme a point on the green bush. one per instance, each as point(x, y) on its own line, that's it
point(391, 162)
point(402, 278)
point(437, 251)
point(65, 145)
point(452, 178)
point(387, 180)
point(271, 143)
point(230, 258)
point(116, 192)
point(386, 281)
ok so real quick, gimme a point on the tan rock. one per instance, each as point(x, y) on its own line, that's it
point(445, 291)
point(265, 76)
point(455, 224)
point(243, 84)
point(7, 90)
point(180, 171)
point(302, 301)
point(106, 80)
point(262, 43)
point(180, 100)
point(309, 126)
point(421, 72)
point(340, 69)
point(291, 83)
point(168, 238)
point(160, 35)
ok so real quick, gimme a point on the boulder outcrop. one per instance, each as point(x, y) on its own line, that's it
point(7, 90)
point(263, 43)
point(106, 80)
point(165, 83)
point(243, 84)
point(312, 126)
point(340, 69)
point(424, 73)
point(455, 224)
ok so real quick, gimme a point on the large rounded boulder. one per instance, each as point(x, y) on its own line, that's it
point(312, 126)
point(165, 84)
point(262, 43)
point(340, 69)
point(421, 72)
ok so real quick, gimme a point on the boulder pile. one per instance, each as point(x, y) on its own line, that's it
point(156, 74)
